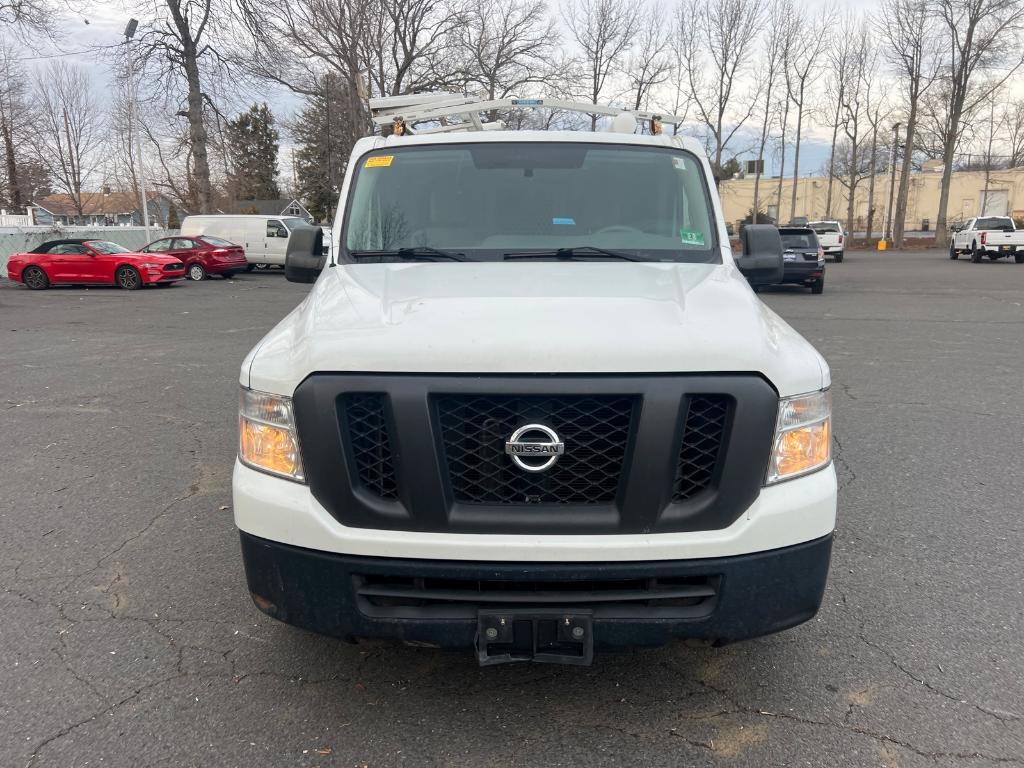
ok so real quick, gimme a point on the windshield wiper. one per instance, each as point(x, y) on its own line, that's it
point(415, 253)
point(572, 254)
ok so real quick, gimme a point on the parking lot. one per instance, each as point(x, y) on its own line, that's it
point(129, 637)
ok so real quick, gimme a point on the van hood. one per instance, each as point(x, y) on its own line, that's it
point(537, 317)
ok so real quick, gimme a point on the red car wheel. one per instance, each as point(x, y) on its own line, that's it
point(128, 278)
point(35, 278)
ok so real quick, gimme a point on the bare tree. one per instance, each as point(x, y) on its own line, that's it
point(411, 45)
point(32, 16)
point(861, 79)
point(722, 33)
point(1013, 118)
point(179, 54)
point(70, 133)
point(802, 71)
point(15, 118)
point(682, 99)
point(843, 60)
point(604, 30)
point(983, 37)
point(121, 167)
point(877, 109)
point(649, 62)
point(909, 28)
point(771, 70)
point(508, 45)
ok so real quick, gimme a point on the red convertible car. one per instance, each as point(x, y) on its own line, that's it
point(202, 255)
point(92, 262)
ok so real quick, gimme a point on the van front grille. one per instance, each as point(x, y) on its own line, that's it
point(369, 442)
point(595, 430)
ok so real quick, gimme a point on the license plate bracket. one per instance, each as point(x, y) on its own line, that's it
point(524, 634)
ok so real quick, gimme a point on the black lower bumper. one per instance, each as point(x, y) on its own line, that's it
point(426, 601)
point(803, 273)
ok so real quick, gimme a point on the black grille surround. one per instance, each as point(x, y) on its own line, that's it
point(651, 453)
point(474, 429)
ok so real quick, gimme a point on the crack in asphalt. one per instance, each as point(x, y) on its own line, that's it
point(740, 709)
point(1001, 717)
point(840, 459)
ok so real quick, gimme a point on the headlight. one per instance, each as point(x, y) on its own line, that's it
point(150, 266)
point(266, 434)
point(803, 436)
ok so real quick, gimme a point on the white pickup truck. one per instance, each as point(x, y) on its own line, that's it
point(992, 236)
point(532, 407)
point(831, 237)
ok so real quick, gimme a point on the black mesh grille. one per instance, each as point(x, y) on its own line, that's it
point(369, 442)
point(595, 431)
point(702, 442)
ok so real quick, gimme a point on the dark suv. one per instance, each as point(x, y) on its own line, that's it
point(804, 258)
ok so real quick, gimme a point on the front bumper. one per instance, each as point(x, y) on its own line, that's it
point(754, 594)
point(151, 277)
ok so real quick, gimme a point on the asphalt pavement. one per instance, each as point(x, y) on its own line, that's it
point(128, 637)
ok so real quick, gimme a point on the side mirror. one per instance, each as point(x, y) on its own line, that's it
point(761, 260)
point(305, 257)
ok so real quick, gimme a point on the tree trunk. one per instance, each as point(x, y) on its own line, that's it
point(947, 172)
point(832, 168)
point(851, 202)
point(760, 152)
point(13, 186)
point(197, 130)
point(871, 184)
point(900, 217)
point(782, 163)
point(796, 154)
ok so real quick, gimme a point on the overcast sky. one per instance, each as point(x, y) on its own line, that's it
point(101, 25)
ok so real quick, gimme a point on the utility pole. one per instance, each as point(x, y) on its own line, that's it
point(892, 180)
point(129, 33)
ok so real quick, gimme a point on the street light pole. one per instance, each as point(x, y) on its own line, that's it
point(892, 180)
point(129, 33)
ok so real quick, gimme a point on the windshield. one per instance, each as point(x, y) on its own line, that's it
point(490, 200)
point(995, 222)
point(104, 246)
point(824, 228)
point(291, 222)
point(799, 240)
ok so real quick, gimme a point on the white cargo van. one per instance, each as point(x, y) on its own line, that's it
point(265, 238)
point(531, 405)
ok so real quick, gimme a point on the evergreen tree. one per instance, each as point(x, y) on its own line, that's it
point(324, 132)
point(252, 146)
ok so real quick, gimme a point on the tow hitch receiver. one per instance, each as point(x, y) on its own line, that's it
point(525, 635)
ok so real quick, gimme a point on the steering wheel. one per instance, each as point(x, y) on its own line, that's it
point(618, 228)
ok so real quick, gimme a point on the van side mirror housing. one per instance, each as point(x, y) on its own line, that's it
point(305, 258)
point(761, 260)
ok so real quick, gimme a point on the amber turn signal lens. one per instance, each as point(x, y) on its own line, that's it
point(803, 438)
point(269, 448)
point(802, 450)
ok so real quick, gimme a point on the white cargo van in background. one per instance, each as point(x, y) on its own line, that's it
point(265, 238)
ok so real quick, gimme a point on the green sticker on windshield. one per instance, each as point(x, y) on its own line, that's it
point(690, 237)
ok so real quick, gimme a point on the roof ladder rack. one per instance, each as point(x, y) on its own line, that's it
point(399, 114)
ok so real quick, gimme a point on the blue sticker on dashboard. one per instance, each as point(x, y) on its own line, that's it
point(564, 222)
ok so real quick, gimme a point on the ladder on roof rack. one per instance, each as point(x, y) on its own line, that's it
point(401, 113)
